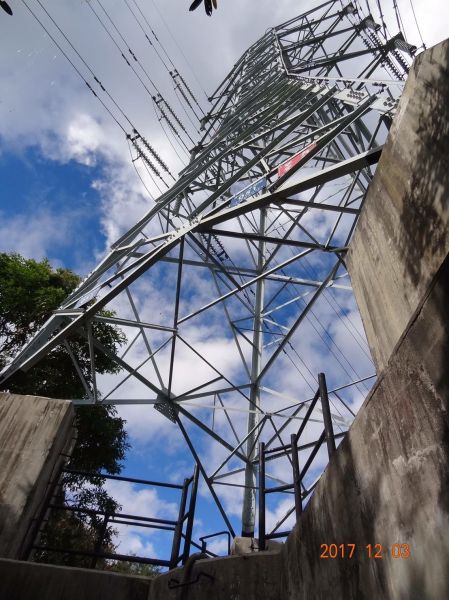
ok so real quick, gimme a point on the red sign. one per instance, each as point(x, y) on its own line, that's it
point(285, 167)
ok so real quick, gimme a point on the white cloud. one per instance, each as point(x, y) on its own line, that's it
point(144, 502)
point(133, 544)
point(84, 137)
point(139, 500)
point(32, 237)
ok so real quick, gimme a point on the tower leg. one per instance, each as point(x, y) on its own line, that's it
point(249, 497)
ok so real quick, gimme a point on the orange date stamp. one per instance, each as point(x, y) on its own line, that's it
point(376, 551)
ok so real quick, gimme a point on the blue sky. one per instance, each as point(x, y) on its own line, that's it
point(68, 190)
point(36, 192)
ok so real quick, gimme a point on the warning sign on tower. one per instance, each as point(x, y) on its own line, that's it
point(285, 167)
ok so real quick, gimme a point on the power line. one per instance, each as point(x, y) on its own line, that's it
point(137, 171)
point(176, 43)
point(398, 16)
point(136, 59)
point(173, 74)
point(184, 108)
point(141, 144)
point(146, 145)
point(417, 25)
point(179, 140)
point(382, 19)
point(146, 35)
point(109, 34)
point(76, 68)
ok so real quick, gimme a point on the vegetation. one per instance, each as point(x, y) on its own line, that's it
point(133, 568)
point(29, 292)
point(209, 5)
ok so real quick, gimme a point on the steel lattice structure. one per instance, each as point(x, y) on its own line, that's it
point(291, 137)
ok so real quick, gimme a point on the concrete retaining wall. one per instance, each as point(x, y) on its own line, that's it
point(388, 483)
point(402, 236)
point(233, 578)
point(33, 433)
point(30, 581)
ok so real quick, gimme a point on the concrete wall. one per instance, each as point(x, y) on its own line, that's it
point(388, 483)
point(389, 480)
point(402, 236)
point(33, 433)
point(247, 577)
point(233, 578)
point(30, 581)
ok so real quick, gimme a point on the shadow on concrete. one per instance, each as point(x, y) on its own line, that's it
point(423, 226)
point(425, 222)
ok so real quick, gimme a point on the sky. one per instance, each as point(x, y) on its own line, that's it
point(68, 188)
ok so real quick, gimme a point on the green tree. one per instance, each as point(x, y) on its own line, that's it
point(133, 568)
point(30, 291)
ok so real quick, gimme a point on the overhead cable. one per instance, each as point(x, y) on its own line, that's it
point(382, 20)
point(151, 82)
point(161, 16)
point(64, 53)
point(137, 171)
point(130, 51)
point(147, 37)
point(417, 25)
point(175, 74)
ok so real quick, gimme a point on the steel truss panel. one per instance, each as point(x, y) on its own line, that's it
point(298, 124)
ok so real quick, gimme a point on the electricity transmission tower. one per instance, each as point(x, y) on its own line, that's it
point(215, 284)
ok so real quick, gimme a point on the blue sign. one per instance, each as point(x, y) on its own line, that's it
point(249, 191)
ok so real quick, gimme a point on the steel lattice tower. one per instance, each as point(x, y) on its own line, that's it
point(293, 132)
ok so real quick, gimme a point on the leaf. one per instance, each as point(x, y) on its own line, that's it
point(6, 7)
point(208, 7)
point(195, 4)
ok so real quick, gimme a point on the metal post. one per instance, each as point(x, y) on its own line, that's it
point(44, 515)
point(296, 476)
point(179, 525)
point(191, 515)
point(176, 315)
point(262, 496)
point(99, 542)
point(328, 428)
point(249, 494)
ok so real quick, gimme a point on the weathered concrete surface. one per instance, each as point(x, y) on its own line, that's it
point(33, 433)
point(31, 581)
point(388, 482)
point(245, 545)
point(248, 577)
point(234, 578)
point(402, 236)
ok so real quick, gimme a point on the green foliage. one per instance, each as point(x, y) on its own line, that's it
point(29, 292)
point(101, 443)
point(133, 568)
point(70, 531)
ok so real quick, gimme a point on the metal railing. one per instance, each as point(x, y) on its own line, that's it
point(182, 528)
point(212, 535)
point(292, 451)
